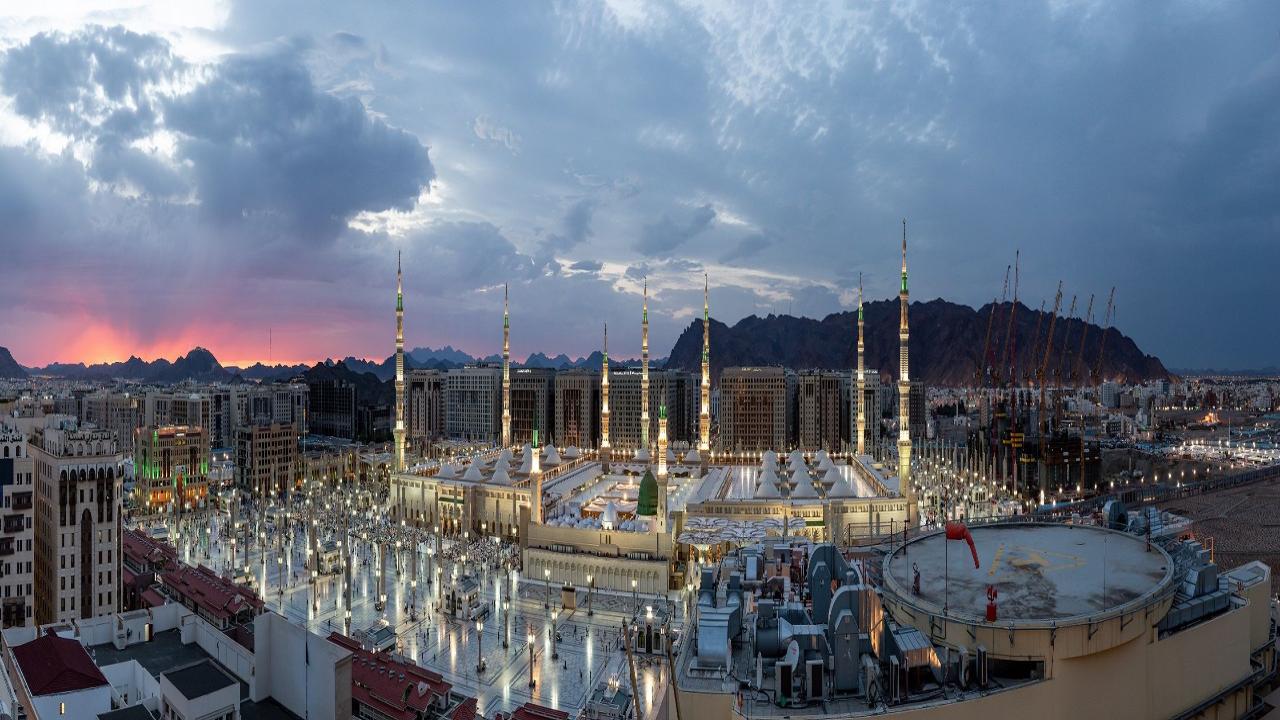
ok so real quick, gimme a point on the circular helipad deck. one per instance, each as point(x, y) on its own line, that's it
point(1043, 573)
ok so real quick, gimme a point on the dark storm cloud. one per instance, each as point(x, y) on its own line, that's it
point(1115, 143)
point(746, 247)
point(587, 266)
point(576, 224)
point(661, 238)
point(263, 139)
point(72, 79)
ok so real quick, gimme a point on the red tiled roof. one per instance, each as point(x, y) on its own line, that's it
point(151, 598)
point(219, 597)
point(466, 710)
point(376, 681)
point(52, 664)
point(531, 711)
point(144, 550)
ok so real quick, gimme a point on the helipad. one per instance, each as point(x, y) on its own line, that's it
point(1045, 573)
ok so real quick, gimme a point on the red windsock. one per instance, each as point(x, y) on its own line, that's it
point(959, 531)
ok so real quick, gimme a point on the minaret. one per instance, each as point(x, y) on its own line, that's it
point(399, 429)
point(904, 396)
point(535, 478)
point(661, 525)
point(604, 404)
point(506, 370)
point(862, 379)
point(644, 371)
point(704, 415)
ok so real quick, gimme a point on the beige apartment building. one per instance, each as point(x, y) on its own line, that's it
point(753, 408)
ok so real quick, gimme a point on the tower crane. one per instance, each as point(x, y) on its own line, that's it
point(1048, 351)
point(1084, 335)
point(1035, 341)
point(989, 369)
point(1108, 320)
point(1010, 342)
point(1060, 372)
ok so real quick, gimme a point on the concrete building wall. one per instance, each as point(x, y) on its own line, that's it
point(473, 402)
point(753, 409)
point(17, 533)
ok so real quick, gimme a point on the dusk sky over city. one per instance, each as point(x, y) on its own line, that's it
point(211, 173)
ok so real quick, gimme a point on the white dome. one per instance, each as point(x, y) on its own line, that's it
point(831, 477)
point(447, 471)
point(767, 490)
point(692, 457)
point(473, 473)
point(671, 456)
point(572, 452)
point(804, 489)
point(526, 466)
point(642, 455)
point(768, 476)
point(501, 476)
point(795, 457)
point(551, 456)
point(840, 489)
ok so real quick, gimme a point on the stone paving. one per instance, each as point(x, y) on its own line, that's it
point(588, 650)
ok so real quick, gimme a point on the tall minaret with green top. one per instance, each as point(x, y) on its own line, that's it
point(644, 371)
point(862, 378)
point(905, 485)
point(704, 412)
point(605, 450)
point(506, 370)
point(399, 426)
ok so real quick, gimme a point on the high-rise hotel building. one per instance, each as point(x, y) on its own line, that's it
point(17, 484)
point(77, 524)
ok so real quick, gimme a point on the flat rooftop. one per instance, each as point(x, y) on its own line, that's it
point(199, 679)
point(1044, 573)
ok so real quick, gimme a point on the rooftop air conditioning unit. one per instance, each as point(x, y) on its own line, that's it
point(981, 667)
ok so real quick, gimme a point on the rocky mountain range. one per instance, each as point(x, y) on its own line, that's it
point(9, 368)
point(946, 350)
point(946, 344)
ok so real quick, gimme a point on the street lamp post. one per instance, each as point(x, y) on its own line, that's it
point(635, 603)
point(479, 646)
point(506, 625)
point(546, 573)
point(554, 654)
point(591, 584)
point(532, 682)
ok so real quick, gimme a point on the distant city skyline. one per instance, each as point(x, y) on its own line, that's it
point(214, 174)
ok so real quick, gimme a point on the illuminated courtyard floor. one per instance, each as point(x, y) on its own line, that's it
point(588, 652)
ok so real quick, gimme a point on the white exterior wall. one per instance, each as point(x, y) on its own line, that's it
point(78, 705)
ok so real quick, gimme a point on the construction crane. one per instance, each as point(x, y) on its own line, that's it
point(988, 369)
point(1084, 335)
point(1108, 320)
point(1048, 351)
point(1060, 372)
point(1035, 341)
point(1009, 341)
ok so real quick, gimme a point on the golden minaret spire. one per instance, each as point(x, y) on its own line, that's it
point(399, 427)
point(644, 371)
point(904, 394)
point(661, 525)
point(604, 404)
point(506, 369)
point(704, 413)
point(862, 379)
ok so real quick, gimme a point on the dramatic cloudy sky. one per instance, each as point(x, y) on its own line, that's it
point(209, 172)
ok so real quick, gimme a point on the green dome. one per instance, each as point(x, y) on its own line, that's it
point(647, 502)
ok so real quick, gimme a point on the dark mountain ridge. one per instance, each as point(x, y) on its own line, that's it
point(946, 344)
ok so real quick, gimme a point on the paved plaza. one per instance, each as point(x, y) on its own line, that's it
point(588, 651)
